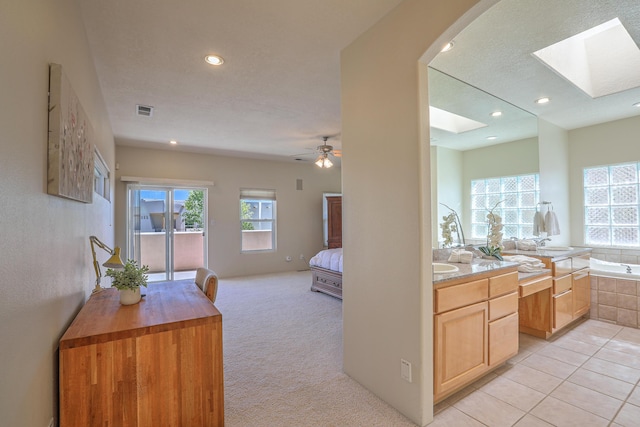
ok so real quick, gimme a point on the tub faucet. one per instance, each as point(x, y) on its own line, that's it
point(628, 268)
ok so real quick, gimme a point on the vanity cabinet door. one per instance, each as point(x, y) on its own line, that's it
point(562, 309)
point(461, 347)
point(503, 339)
point(581, 293)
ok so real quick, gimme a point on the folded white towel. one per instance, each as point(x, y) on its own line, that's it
point(538, 223)
point(526, 245)
point(551, 225)
point(528, 268)
point(525, 260)
point(460, 256)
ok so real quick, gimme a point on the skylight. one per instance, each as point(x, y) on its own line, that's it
point(599, 61)
point(451, 122)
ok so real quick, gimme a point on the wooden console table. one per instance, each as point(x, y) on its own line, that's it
point(155, 363)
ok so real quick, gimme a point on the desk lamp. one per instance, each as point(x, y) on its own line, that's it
point(113, 262)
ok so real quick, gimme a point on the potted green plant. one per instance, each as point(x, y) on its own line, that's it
point(128, 281)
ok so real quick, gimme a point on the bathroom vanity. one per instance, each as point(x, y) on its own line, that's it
point(475, 322)
point(548, 304)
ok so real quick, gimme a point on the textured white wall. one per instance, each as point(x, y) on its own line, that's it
point(604, 144)
point(45, 267)
point(299, 212)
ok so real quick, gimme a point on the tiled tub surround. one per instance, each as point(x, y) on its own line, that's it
point(615, 300)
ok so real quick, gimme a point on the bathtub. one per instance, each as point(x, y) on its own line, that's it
point(614, 269)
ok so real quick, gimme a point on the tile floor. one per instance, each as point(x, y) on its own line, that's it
point(588, 376)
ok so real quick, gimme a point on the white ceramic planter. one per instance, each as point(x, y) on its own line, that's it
point(130, 296)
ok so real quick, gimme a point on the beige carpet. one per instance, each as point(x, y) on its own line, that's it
point(283, 358)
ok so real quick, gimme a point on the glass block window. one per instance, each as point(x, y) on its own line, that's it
point(519, 196)
point(612, 205)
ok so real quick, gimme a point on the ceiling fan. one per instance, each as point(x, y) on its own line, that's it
point(324, 151)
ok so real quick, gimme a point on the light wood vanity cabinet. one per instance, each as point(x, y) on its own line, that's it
point(476, 329)
point(569, 297)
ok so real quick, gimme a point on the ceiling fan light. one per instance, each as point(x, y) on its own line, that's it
point(327, 163)
point(319, 161)
point(324, 162)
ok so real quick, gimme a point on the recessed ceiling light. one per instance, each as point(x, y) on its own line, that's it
point(491, 138)
point(447, 47)
point(496, 114)
point(543, 100)
point(214, 59)
point(173, 142)
point(637, 104)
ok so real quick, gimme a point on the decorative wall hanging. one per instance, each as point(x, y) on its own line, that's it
point(70, 151)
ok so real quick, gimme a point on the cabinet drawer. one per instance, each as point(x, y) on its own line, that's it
point(534, 286)
point(503, 339)
point(503, 284)
point(562, 284)
point(501, 306)
point(461, 295)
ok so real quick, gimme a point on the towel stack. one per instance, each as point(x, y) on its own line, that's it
point(526, 264)
point(526, 245)
point(461, 256)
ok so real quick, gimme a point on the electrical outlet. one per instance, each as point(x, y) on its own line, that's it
point(302, 257)
point(405, 370)
point(287, 258)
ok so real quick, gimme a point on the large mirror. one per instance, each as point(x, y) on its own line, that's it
point(474, 135)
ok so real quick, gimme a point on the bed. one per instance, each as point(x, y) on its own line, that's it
point(326, 270)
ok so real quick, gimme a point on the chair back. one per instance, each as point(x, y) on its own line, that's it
point(207, 281)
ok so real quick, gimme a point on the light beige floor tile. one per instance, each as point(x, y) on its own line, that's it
point(531, 421)
point(625, 359)
point(536, 380)
point(601, 383)
point(513, 393)
point(598, 328)
point(587, 399)
point(562, 414)
point(613, 370)
point(572, 343)
point(635, 397)
point(629, 416)
point(571, 357)
point(623, 346)
point(629, 334)
point(531, 343)
point(451, 417)
point(522, 354)
point(586, 338)
point(484, 380)
point(489, 410)
point(548, 365)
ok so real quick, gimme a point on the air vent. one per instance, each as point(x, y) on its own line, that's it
point(144, 110)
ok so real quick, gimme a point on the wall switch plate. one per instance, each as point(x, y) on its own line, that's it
point(405, 370)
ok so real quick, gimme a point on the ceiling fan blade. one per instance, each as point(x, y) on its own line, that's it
point(337, 153)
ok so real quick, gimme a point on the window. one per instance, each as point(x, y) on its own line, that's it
point(519, 196)
point(101, 183)
point(258, 220)
point(611, 205)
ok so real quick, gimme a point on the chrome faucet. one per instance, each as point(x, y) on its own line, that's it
point(540, 242)
point(628, 268)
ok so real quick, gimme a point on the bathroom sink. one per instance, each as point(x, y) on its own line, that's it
point(555, 248)
point(441, 268)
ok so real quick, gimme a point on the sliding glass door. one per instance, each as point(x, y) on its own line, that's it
point(166, 230)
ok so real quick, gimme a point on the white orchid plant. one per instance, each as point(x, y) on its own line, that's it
point(451, 225)
point(494, 235)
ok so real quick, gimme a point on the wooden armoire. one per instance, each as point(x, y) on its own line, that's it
point(334, 222)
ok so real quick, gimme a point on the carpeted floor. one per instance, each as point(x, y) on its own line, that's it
point(283, 358)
